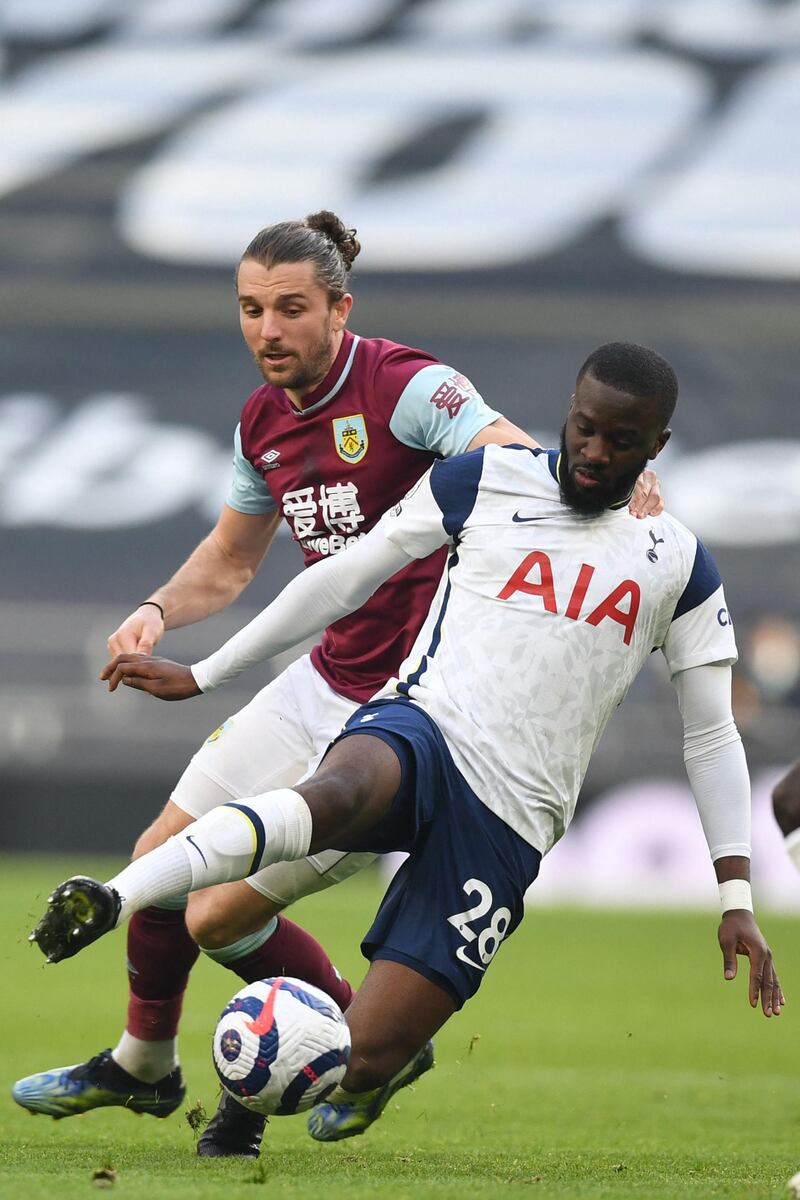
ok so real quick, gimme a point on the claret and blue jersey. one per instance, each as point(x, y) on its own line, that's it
point(382, 415)
point(542, 623)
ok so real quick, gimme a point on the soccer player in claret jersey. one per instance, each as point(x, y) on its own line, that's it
point(340, 428)
point(472, 757)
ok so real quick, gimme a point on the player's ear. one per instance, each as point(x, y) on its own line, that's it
point(340, 311)
point(660, 442)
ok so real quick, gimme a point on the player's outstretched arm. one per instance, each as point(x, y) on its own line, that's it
point(212, 577)
point(330, 589)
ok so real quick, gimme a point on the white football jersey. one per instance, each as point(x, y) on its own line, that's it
point(541, 624)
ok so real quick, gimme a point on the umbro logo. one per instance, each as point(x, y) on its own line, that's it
point(270, 460)
point(657, 541)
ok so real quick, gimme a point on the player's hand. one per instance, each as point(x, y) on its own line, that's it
point(647, 500)
point(739, 934)
point(138, 633)
point(157, 676)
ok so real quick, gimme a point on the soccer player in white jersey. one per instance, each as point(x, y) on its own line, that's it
point(473, 757)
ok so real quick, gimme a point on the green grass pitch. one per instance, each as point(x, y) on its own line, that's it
point(604, 1057)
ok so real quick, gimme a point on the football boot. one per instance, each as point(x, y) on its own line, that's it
point(99, 1083)
point(233, 1132)
point(79, 911)
point(344, 1115)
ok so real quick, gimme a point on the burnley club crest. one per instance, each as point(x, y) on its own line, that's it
point(350, 438)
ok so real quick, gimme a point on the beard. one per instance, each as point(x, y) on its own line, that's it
point(299, 374)
point(590, 502)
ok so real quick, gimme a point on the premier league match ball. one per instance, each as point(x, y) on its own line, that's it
point(280, 1046)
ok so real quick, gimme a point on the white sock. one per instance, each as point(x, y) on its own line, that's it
point(238, 839)
point(148, 1061)
point(230, 842)
point(793, 847)
point(163, 872)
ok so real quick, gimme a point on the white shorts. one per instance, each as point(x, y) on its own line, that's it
point(275, 741)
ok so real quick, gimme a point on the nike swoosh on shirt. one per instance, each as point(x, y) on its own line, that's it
point(524, 520)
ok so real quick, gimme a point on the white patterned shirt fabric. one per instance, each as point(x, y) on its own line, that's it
point(541, 624)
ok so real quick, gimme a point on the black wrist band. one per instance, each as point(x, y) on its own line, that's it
point(155, 604)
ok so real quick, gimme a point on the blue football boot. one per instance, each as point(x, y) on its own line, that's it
point(98, 1083)
point(343, 1115)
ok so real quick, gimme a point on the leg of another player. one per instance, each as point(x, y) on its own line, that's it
point(242, 930)
point(161, 954)
point(142, 1072)
point(786, 806)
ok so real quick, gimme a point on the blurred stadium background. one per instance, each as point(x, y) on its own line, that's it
point(529, 179)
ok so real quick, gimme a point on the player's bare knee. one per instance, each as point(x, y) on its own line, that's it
point(786, 807)
point(211, 923)
point(219, 916)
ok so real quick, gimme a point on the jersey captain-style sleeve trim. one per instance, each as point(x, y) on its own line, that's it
point(248, 493)
point(454, 485)
point(702, 583)
point(439, 410)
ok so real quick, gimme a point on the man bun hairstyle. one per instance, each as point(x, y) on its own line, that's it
point(334, 228)
point(322, 238)
point(635, 370)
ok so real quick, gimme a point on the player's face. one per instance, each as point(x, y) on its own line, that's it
point(605, 444)
point(292, 329)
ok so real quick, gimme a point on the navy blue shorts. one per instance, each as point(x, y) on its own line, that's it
point(460, 893)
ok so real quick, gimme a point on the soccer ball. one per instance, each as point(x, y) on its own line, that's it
point(280, 1046)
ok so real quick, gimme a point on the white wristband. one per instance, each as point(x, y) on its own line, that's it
point(735, 893)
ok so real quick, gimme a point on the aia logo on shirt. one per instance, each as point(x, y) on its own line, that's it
point(350, 437)
point(534, 576)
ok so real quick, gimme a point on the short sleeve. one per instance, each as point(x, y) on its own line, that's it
point(701, 630)
point(439, 410)
point(248, 493)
